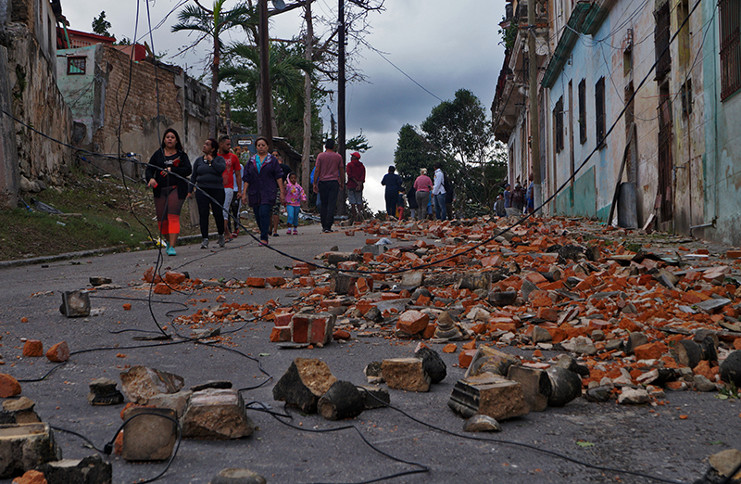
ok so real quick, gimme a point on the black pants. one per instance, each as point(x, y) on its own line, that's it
point(204, 203)
point(328, 191)
point(391, 199)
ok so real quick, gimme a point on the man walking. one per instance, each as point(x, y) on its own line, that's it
point(438, 193)
point(232, 176)
point(329, 179)
point(355, 181)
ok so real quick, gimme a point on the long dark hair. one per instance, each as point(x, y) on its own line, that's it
point(214, 145)
point(178, 145)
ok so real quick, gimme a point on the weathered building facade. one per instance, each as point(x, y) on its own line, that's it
point(633, 110)
point(113, 97)
point(28, 92)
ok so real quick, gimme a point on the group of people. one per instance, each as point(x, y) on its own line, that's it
point(220, 184)
point(424, 196)
point(513, 202)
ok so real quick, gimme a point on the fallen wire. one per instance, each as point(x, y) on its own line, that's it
point(420, 468)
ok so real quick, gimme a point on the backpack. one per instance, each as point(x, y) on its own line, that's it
point(448, 185)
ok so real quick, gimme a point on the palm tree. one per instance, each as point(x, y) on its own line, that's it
point(212, 23)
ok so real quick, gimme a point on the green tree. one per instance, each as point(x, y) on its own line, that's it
point(101, 25)
point(212, 23)
point(358, 143)
point(413, 152)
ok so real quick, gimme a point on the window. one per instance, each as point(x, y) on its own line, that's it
point(599, 107)
point(661, 41)
point(582, 112)
point(76, 65)
point(686, 92)
point(730, 49)
point(558, 124)
point(683, 39)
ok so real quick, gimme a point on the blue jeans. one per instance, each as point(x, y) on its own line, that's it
point(262, 216)
point(441, 211)
point(292, 215)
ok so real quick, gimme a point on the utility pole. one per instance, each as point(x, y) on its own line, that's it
point(341, 102)
point(266, 121)
point(532, 63)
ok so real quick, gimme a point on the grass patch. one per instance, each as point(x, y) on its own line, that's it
point(99, 212)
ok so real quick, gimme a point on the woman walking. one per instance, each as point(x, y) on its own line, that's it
point(422, 185)
point(166, 175)
point(208, 184)
point(263, 177)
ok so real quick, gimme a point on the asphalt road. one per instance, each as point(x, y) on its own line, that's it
point(641, 439)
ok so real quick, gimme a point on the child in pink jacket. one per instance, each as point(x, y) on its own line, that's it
point(294, 196)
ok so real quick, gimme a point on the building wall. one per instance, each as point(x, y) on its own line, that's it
point(722, 157)
point(116, 95)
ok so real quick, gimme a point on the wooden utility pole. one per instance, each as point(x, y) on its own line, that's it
point(532, 63)
point(308, 54)
point(266, 121)
point(341, 82)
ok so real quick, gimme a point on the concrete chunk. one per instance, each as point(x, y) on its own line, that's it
point(488, 394)
point(490, 360)
point(90, 470)
point(305, 381)
point(75, 304)
point(535, 384)
point(150, 434)
point(405, 374)
point(140, 383)
point(216, 414)
point(24, 447)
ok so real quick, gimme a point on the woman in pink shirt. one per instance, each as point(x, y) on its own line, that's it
point(423, 185)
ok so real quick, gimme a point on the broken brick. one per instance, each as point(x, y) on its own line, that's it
point(33, 348)
point(9, 386)
point(58, 353)
point(413, 322)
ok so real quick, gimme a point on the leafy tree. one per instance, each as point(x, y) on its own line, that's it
point(412, 153)
point(358, 143)
point(212, 23)
point(101, 25)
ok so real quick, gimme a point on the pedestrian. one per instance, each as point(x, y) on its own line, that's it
point(400, 203)
point(355, 182)
point(166, 173)
point(294, 196)
point(507, 196)
point(422, 187)
point(208, 185)
point(412, 201)
point(232, 182)
point(530, 195)
point(518, 198)
point(318, 203)
point(393, 183)
point(262, 182)
point(329, 179)
point(499, 206)
point(275, 215)
point(236, 206)
point(438, 193)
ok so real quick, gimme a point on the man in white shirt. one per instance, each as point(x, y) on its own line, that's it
point(438, 193)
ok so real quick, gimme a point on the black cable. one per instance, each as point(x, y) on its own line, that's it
point(420, 468)
point(521, 444)
point(76, 434)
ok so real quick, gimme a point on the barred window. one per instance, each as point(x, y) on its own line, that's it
point(76, 65)
point(730, 48)
point(582, 111)
point(558, 124)
point(599, 107)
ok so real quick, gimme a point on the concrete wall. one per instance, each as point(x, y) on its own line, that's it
point(722, 157)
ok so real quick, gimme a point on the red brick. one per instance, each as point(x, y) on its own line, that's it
point(306, 281)
point(9, 386)
point(465, 358)
point(300, 326)
point(162, 288)
point(31, 477)
point(283, 319)
point(347, 265)
point(59, 352)
point(318, 330)
point(413, 322)
point(280, 334)
point(33, 348)
point(650, 351)
point(275, 281)
point(301, 271)
point(255, 282)
point(341, 334)
point(733, 253)
point(172, 277)
point(548, 314)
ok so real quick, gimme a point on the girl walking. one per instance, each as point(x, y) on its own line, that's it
point(294, 196)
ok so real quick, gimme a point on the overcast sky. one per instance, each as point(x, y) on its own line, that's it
point(444, 45)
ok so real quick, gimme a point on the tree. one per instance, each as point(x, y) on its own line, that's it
point(412, 153)
point(212, 23)
point(358, 143)
point(101, 25)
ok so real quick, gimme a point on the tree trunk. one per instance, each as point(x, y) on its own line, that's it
point(308, 54)
point(214, 86)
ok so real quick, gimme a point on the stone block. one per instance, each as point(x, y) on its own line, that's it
point(103, 392)
point(305, 381)
point(633, 396)
point(235, 475)
point(58, 353)
point(174, 401)
point(75, 304)
point(490, 360)
point(140, 383)
point(33, 348)
point(405, 374)
point(18, 411)
point(342, 400)
point(475, 280)
point(216, 414)
point(535, 385)
point(488, 394)
point(412, 279)
point(9, 386)
point(24, 447)
point(150, 433)
point(90, 470)
point(413, 322)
